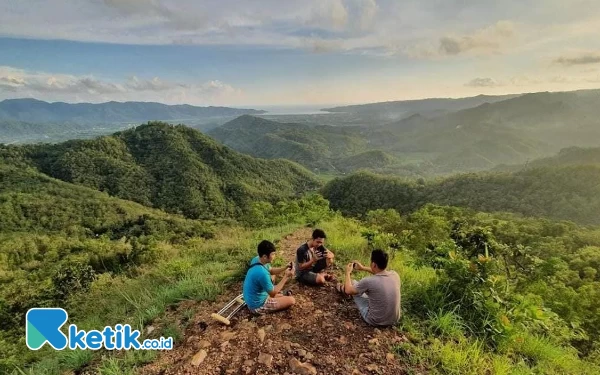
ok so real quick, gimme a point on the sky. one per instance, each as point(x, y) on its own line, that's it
point(255, 53)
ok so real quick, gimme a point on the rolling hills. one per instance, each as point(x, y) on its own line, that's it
point(174, 168)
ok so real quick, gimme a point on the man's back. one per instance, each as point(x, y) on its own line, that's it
point(383, 290)
point(257, 284)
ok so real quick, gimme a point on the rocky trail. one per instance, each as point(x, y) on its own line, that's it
point(321, 334)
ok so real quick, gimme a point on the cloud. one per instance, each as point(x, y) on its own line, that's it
point(482, 82)
point(584, 58)
point(154, 84)
point(66, 87)
point(328, 14)
point(320, 45)
point(488, 39)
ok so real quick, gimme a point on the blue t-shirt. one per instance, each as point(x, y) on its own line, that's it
point(257, 285)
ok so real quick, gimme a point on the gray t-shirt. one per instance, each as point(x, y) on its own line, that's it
point(383, 290)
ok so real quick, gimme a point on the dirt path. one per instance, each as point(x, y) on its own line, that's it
point(322, 334)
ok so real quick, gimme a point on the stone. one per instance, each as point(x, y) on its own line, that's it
point(224, 346)
point(261, 335)
point(309, 356)
point(343, 340)
point(302, 353)
point(265, 359)
point(372, 368)
point(249, 363)
point(376, 331)
point(389, 357)
point(374, 341)
point(204, 344)
point(226, 336)
point(302, 368)
point(199, 358)
point(150, 329)
point(284, 327)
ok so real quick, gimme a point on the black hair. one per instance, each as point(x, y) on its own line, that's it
point(380, 258)
point(318, 233)
point(265, 248)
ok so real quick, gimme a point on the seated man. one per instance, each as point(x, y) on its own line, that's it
point(259, 293)
point(377, 296)
point(312, 258)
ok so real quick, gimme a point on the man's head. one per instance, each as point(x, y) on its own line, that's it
point(379, 260)
point(266, 251)
point(318, 238)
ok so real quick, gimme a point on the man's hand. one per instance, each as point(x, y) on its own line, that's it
point(316, 255)
point(359, 265)
point(328, 254)
point(349, 268)
point(289, 272)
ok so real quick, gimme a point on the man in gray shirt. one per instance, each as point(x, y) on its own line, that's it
point(377, 296)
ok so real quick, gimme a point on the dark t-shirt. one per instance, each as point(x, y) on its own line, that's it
point(303, 255)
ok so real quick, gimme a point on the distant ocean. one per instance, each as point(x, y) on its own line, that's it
point(294, 110)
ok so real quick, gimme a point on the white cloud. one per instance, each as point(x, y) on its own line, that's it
point(48, 86)
point(482, 82)
point(423, 29)
point(583, 58)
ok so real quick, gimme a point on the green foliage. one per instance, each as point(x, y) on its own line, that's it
point(468, 300)
point(565, 193)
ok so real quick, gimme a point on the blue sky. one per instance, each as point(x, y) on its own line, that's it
point(321, 52)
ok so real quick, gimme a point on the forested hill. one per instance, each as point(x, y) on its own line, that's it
point(566, 156)
point(174, 168)
point(563, 193)
point(314, 146)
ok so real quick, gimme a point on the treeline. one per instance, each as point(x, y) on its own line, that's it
point(174, 168)
point(562, 193)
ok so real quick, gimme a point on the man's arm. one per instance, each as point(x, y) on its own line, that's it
point(348, 287)
point(311, 262)
point(277, 289)
point(277, 270)
point(360, 267)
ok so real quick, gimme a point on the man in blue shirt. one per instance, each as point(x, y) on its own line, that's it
point(259, 293)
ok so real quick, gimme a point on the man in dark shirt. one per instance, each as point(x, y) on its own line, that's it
point(312, 259)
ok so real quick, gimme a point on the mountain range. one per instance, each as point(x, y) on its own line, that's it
point(31, 120)
point(510, 131)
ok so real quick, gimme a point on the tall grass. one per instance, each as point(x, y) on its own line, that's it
point(197, 270)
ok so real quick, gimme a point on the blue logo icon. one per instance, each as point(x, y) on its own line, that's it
point(43, 326)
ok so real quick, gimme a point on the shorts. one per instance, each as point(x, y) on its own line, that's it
point(270, 305)
point(309, 278)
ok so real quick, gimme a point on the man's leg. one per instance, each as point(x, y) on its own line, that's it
point(311, 278)
point(279, 303)
point(362, 302)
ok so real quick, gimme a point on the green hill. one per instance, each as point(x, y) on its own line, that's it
point(317, 147)
point(372, 160)
point(566, 156)
point(563, 193)
point(174, 168)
